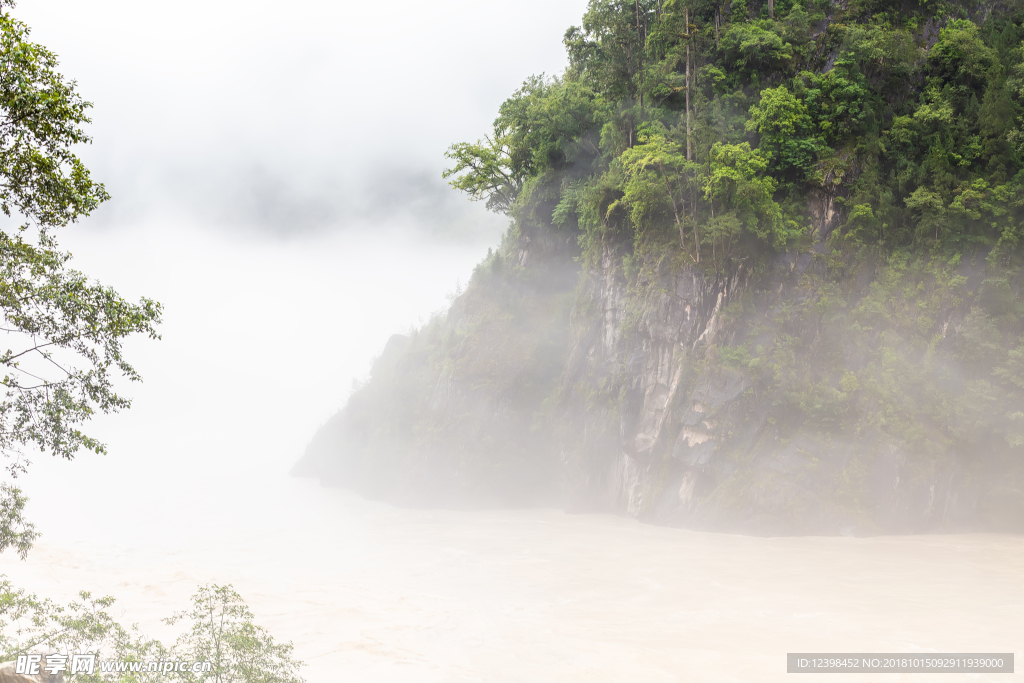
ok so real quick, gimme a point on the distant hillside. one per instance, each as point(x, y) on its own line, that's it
point(763, 275)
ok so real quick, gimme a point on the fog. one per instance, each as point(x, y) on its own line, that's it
point(275, 173)
point(317, 116)
point(276, 183)
point(262, 341)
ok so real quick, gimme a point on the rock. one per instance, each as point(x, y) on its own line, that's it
point(396, 345)
point(694, 447)
point(715, 391)
point(8, 675)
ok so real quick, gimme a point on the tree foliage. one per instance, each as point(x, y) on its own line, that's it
point(866, 104)
point(41, 179)
point(221, 631)
point(64, 332)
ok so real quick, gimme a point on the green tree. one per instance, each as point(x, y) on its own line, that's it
point(64, 331)
point(607, 50)
point(741, 188)
point(546, 124)
point(223, 633)
point(788, 136)
point(961, 59)
point(849, 108)
point(29, 624)
point(754, 47)
point(658, 177)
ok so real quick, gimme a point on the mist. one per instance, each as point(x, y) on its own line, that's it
point(250, 117)
point(275, 173)
point(276, 184)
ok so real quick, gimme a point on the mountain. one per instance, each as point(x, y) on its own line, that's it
point(762, 275)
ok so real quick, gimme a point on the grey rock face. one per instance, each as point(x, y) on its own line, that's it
point(694, 444)
point(634, 396)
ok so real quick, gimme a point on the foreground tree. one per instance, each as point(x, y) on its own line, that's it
point(64, 335)
point(63, 332)
point(222, 632)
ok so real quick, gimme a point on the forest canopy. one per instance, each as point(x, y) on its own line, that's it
point(725, 123)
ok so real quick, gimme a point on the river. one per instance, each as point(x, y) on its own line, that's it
point(261, 342)
point(369, 592)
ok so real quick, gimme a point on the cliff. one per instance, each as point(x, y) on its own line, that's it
point(759, 402)
point(763, 276)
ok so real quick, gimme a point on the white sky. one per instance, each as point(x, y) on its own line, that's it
point(278, 114)
point(275, 172)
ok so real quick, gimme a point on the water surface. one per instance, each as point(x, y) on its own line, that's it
point(370, 592)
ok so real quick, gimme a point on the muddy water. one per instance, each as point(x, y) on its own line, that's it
point(261, 341)
point(368, 592)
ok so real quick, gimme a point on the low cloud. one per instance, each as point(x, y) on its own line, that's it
point(263, 202)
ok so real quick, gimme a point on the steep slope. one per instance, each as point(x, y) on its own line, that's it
point(763, 276)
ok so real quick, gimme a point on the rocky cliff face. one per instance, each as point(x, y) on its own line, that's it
point(742, 398)
point(691, 442)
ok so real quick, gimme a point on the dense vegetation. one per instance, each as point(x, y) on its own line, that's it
point(716, 121)
point(794, 231)
point(221, 637)
point(64, 331)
